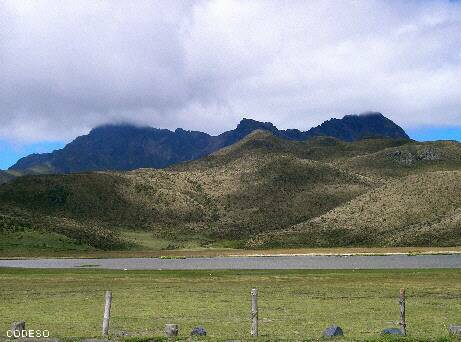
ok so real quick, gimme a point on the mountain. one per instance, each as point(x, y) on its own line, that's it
point(356, 127)
point(262, 191)
point(127, 147)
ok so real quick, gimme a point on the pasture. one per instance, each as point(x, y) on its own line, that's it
point(293, 304)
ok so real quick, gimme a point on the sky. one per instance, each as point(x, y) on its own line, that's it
point(68, 66)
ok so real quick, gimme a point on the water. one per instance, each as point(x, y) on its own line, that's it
point(241, 263)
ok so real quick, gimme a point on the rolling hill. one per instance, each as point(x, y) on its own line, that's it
point(417, 210)
point(262, 191)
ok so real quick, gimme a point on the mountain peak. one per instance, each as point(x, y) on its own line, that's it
point(357, 126)
point(251, 125)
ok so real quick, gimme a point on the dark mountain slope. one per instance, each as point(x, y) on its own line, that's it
point(121, 147)
point(356, 127)
point(125, 147)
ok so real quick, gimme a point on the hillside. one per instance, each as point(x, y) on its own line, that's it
point(398, 161)
point(5, 177)
point(418, 210)
point(127, 147)
point(261, 191)
point(247, 191)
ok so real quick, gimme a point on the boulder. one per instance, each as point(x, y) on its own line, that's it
point(198, 331)
point(392, 331)
point(454, 329)
point(171, 330)
point(333, 331)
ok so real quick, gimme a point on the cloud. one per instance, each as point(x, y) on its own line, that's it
point(69, 66)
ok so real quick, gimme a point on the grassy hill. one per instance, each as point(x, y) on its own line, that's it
point(410, 158)
point(417, 210)
point(261, 191)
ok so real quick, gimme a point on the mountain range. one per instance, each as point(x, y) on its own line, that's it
point(355, 181)
point(126, 147)
point(262, 191)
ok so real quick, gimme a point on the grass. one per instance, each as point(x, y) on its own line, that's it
point(294, 304)
point(148, 246)
point(28, 242)
point(216, 251)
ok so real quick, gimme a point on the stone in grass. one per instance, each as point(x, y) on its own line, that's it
point(392, 331)
point(18, 326)
point(333, 331)
point(171, 330)
point(454, 329)
point(198, 331)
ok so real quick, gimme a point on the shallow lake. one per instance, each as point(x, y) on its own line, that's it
point(235, 263)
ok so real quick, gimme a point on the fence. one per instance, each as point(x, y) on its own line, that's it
point(172, 330)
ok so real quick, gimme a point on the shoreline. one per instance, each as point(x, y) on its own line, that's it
point(213, 253)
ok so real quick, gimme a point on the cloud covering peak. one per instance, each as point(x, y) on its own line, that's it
point(70, 66)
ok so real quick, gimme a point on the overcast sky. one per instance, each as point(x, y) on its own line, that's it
point(67, 66)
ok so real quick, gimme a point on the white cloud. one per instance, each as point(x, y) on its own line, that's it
point(69, 66)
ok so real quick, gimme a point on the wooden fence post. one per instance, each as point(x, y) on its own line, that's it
point(254, 312)
point(105, 322)
point(403, 324)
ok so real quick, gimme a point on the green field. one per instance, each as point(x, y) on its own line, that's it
point(31, 244)
point(294, 305)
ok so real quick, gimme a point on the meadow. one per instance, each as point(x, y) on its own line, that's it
point(43, 244)
point(294, 305)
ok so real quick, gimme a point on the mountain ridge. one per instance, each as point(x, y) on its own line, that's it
point(125, 147)
point(263, 191)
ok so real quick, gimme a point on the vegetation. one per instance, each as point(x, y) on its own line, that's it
point(294, 304)
point(6, 176)
point(416, 210)
point(261, 192)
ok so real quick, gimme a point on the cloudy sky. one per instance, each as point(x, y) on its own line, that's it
point(67, 66)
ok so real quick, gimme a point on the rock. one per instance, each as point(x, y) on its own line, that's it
point(454, 329)
point(171, 330)
point(392, 331)
point(332, 331)
point(198, 331)
point(18, 326)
